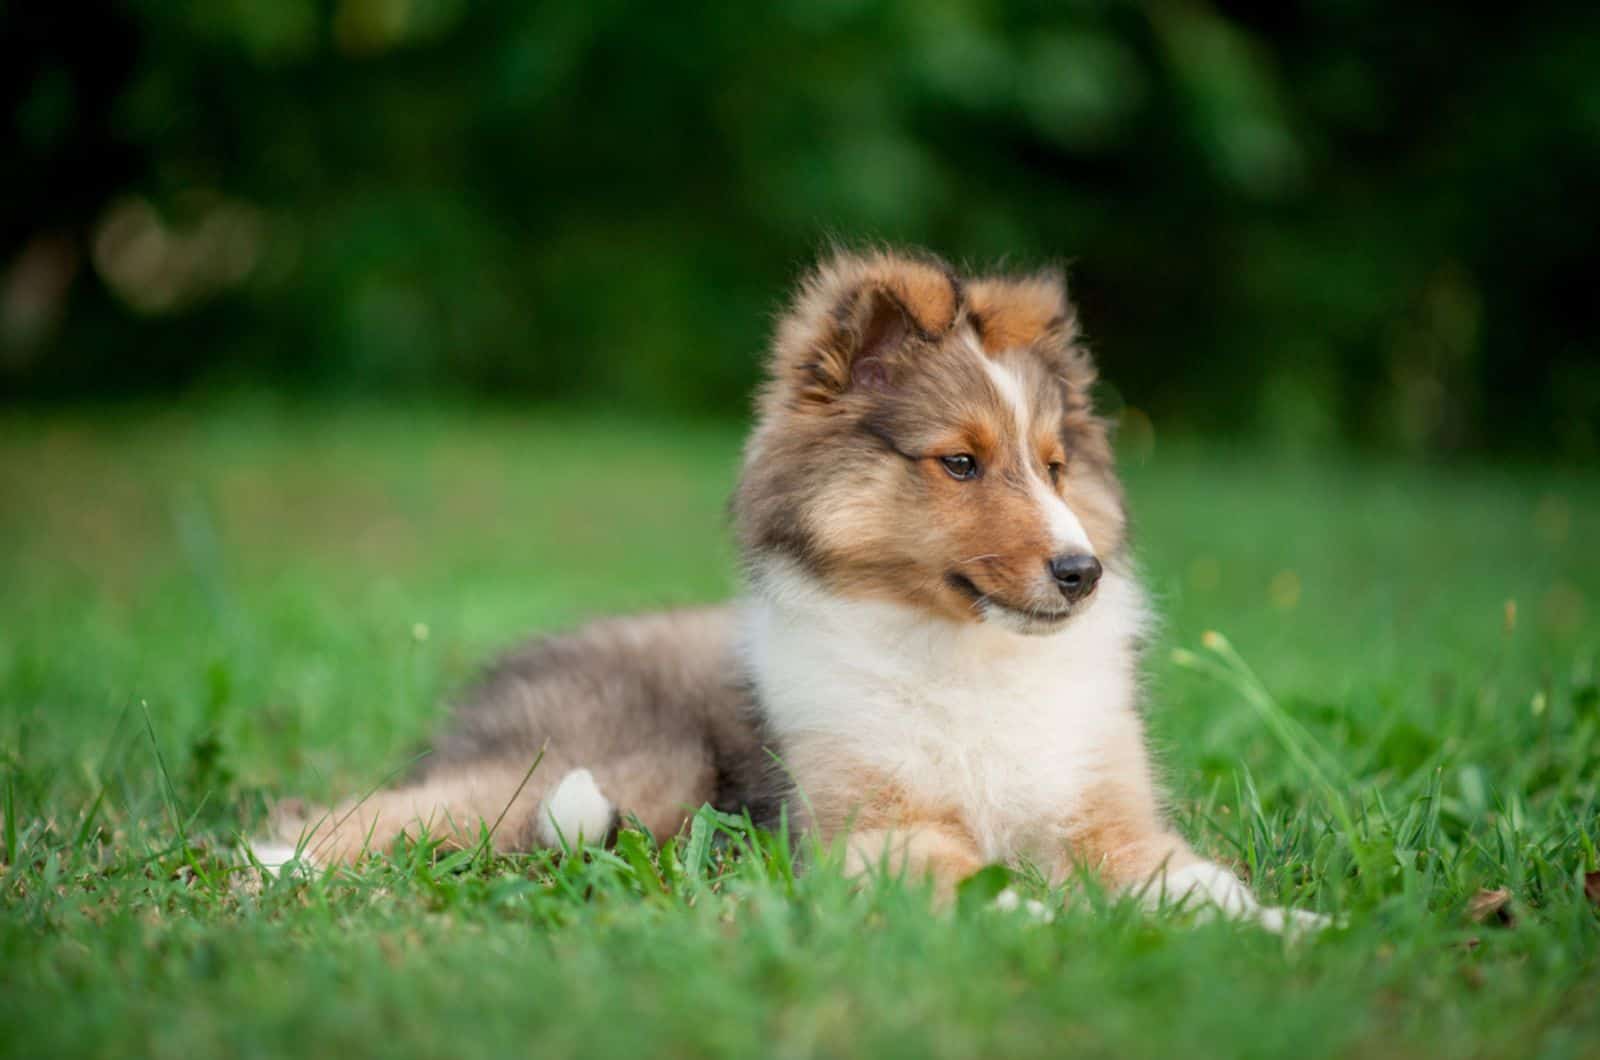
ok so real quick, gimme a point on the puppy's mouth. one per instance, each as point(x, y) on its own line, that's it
point(986, 604)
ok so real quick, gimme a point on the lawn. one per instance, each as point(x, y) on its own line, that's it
point(203, 609)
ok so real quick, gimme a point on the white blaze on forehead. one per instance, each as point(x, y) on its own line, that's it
point(1011, 391)
point(1066, 531)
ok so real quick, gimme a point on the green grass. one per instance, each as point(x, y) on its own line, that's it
point(201, 610)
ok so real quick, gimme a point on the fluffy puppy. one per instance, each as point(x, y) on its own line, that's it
point(938, 640)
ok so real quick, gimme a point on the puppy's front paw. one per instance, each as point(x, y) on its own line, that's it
point(1207, 885)
point(1213, 889)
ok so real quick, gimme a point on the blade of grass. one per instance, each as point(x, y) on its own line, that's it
point(488, 837)
point(168, 791)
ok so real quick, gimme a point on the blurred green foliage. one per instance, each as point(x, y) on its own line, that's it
point(1308, 221)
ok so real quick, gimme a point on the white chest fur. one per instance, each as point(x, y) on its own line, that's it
point(1008, 729)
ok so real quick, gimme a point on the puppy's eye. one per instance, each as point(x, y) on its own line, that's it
point(1056, 469)
point(962, 465)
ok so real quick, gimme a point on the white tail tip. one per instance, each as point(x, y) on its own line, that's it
point(575, 808)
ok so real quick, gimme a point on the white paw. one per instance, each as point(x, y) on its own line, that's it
point(275, 858)
point(1212, 889)
point(1207, 885)
point(1009, 901)
point(575, 809)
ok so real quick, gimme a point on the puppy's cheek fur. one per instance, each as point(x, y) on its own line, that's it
point(851, 522)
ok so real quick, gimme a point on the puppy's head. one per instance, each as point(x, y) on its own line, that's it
point(928, 438)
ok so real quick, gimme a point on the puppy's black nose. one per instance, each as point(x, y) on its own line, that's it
point(1076, 574)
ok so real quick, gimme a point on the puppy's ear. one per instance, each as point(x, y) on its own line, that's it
point(1031, 312)
point(854, 316)
point(872, 331)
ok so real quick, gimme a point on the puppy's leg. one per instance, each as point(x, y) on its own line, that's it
point(555, 806)
point(884, 827)
point(1215, 887)
point(1118, 833)
point(453, 807)
point(913, 850)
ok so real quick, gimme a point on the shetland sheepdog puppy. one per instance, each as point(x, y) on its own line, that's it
point(935, 659)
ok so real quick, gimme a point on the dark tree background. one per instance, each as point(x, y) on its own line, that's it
point(1306, 221)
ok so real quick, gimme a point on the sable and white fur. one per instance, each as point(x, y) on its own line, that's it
point(938, 641)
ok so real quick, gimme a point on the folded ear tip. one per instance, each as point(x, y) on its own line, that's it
point(854, 304)
point(927, 289)
point(927, 286)
point(1017, 311)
